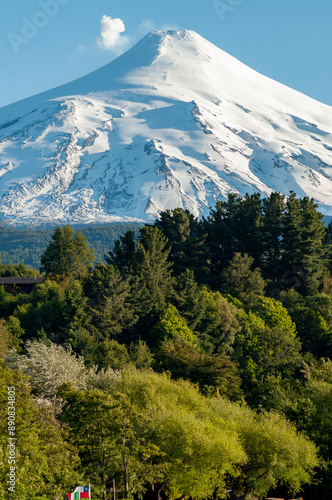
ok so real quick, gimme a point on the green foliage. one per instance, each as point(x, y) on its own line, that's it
point(28, 245)
point(198, 306)
point(273, 214)
point(141, 356)
point(45, 310)
point(153, 281)
point(4, 340)
point(312, 316)
point(171, 325)
point(211, 372)
point(303, 264)
point(113, 355)
point(46, 464)
point(186, 242)
point(123, 254)
point(241, 281)
point(197, 449)
point(277, 454)
point(68, 254)
point(17, 270)
point(113, 439)
point(189, 299)
point(274, 314)
point(262, 350)
point(162, 290)
point(109, 301)
point(229, 325)
point(221, 229)
point(308, 403)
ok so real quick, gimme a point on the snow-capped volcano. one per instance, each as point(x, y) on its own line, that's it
point(174, 122)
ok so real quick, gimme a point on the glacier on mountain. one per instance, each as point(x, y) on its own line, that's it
point(173, 122)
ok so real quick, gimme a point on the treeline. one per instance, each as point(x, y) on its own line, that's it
point(198, 355)
point(28, 245)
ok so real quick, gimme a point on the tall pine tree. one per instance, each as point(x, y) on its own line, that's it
point(303, 262)
point(186, 242)
point(153, 281)
point(273, 212)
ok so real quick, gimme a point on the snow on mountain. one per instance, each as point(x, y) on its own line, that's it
point(174, 122)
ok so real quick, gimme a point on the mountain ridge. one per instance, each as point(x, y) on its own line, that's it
point(174, 121)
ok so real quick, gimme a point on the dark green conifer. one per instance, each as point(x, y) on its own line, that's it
point(186, 242)
point(152, 276)
point(241, 282)
point(220, 227)
point(273, 213)
point(303, 265)
point(123, 254)
point(68, 254)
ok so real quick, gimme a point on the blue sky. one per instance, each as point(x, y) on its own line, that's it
point(44, 43)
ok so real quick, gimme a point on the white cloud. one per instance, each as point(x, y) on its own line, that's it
point(110, 35)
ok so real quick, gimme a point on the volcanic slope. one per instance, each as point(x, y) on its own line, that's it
point(173, 122)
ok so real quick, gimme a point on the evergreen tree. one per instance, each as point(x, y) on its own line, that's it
point(185, 241)
point(220, 227)
point(235, 226)
point(140, 355)
point(303, 266)
point(153, 281)
point(123, 254)
point(291, 240)
point(312, 316)
point(189, 299)
point(262, 350)
point(68, 254)
point(240, 281)
point(109, 301)
point(248, 231)
point(113, 355)
point(208, 314)
point(273, 213)
point(45, 311)
point(229, 325)
point(313, 234)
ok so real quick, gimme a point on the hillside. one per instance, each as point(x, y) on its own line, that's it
point(28, 245)
point(174, 122)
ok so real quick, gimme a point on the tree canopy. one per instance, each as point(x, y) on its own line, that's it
point(68, 254)
point(194, 362)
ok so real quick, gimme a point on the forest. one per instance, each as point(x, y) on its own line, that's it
point(193, 362)
point(28, 245)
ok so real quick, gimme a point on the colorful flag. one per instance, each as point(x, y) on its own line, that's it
point(80, 492)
